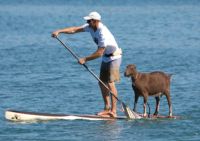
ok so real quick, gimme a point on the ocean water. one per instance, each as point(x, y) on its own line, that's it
point(37, 74)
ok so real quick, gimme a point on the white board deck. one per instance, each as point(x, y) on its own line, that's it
point(20, 116)
point(14, 115)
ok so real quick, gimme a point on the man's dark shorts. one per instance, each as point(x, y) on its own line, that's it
point(110, 71)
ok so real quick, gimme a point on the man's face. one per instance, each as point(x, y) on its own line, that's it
point(92, 23)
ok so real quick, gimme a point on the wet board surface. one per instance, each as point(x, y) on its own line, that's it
point(18, 116)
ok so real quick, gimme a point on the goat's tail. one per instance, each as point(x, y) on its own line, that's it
point(170, 75)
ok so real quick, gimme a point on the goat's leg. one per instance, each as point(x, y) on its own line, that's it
point(157, 105)
point(145, 106)
point(169, 104)
point(135, 102)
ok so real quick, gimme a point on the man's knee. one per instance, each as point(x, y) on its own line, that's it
point(111, 84)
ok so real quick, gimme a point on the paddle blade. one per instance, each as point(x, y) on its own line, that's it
point(129, 113)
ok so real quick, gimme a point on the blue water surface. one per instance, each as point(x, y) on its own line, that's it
point(38, 74)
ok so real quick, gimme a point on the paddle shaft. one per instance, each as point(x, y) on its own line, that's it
point(77, 58)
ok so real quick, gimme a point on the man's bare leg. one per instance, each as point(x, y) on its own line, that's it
point(106, 98)
point(113, 89)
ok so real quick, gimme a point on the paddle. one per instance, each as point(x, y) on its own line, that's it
point(128, 112)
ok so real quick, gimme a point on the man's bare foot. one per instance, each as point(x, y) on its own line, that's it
point(112, 114)
point(104, 112)
point(105, 115)
point(109, 114)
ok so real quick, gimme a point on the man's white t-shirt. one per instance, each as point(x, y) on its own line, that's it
point(104, 38)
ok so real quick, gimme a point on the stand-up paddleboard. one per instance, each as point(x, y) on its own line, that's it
point(20, 116)
point(14, 115)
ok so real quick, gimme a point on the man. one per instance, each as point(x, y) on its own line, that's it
point(111, 58)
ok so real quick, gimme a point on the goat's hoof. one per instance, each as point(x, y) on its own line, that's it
point(170, 116)
point(145, 116)
point(155, 115)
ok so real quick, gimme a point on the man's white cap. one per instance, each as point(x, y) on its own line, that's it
point(93, 15)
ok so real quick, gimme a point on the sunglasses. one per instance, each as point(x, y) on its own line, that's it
point(89, 21)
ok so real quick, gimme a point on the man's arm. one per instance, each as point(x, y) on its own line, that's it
point(98, 53)
point(69, 30)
